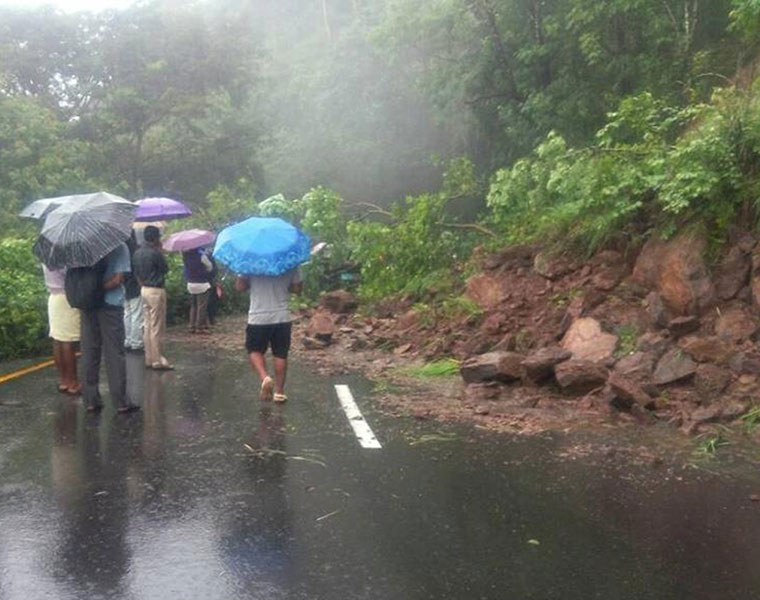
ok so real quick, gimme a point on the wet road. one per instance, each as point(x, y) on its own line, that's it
point(207, 494)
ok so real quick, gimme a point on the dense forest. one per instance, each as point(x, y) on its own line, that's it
point(403, 132)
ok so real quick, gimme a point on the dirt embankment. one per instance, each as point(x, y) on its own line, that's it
point(547, 342)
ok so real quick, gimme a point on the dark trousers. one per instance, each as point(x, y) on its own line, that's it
point(199, 310)
point(103, 334)
point(213, 305)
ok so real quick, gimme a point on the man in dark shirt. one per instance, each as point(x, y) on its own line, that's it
point(150, 269)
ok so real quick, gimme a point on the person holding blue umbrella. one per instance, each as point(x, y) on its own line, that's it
point(266, 252)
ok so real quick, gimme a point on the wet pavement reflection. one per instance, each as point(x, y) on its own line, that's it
point(208, 494)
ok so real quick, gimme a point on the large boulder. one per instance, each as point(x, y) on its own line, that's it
point(580, 376)
point(494, 323)
point(486, 291)
point(723, 412)
point(550, 266)
point(745, 388)
point(656, 310)
point(573, 312)
point(473, 344)
point(637, 366)
point(339, 301)
point(676, 270)
point(508, 258)
point(674, 366)
point(710, 381)
point(745, 363)
point(608, 277)
point(735, 325)
point(539, 365)
point(321, 326)
point(733, 273)
point(629, 391)
point(706, 349)
point(586, 341)
point(654, 342)
point(492, 366)
point(681, 326)
point(646, 270)
point(477, 393)
point(610, 272)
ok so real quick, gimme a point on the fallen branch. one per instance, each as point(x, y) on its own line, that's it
point(377, 210)
point(374, 209)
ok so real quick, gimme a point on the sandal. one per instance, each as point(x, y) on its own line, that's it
point(62, 388)
point(75, 391)
point(161, 367)
point(280, 398)
point(266, 389)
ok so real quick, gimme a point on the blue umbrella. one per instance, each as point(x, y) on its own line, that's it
point(262, 246)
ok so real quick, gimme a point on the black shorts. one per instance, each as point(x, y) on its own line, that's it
point(260, 337)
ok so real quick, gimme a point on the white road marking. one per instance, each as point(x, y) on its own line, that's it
point(362, 430)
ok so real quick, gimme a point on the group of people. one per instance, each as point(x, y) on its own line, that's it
point(132, 317)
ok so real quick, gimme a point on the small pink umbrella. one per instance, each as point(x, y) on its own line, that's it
point(188, 240)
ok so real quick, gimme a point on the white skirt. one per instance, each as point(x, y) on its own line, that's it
point(64, 321)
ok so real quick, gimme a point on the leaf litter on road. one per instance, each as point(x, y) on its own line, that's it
point(328, 515)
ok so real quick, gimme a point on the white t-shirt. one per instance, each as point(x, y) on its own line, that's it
point(269, 298)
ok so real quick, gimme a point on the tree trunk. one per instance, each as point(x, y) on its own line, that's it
point(536, 17)
point(686, 28)
point(483, 11)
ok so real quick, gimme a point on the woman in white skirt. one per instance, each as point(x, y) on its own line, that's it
point(65, 330)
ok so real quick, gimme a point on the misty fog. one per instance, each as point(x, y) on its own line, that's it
point(284, 94)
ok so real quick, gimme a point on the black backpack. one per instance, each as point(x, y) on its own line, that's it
point(84, 286)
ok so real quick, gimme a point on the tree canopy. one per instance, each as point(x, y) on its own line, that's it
point(369, 97)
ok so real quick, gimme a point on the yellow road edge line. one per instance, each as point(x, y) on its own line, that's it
point(26, 371)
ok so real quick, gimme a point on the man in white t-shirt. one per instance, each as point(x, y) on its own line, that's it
point(269, 324)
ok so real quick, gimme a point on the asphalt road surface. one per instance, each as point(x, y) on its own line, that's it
point(209, 494)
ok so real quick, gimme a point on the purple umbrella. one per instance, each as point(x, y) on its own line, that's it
point(188, 240)
point(161, 209)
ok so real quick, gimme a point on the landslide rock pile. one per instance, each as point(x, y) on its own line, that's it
point(658, 334)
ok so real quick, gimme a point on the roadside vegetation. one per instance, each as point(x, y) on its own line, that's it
point(578, 125)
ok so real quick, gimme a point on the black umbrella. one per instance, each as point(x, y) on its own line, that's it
point(84, 229)
point(39, 209)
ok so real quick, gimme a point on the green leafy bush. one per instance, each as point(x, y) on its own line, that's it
point(23, 318)
point(324, 220)
point(413, 256)
point(652, 165)
point(418, 251)
point(321, 214)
